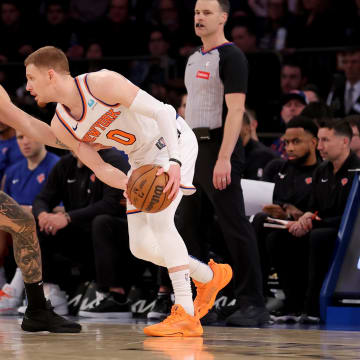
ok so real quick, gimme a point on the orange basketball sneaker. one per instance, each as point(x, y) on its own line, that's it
point(206, 292)
point(178, 323)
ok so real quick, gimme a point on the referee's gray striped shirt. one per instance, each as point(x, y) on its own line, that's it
point(208, 77)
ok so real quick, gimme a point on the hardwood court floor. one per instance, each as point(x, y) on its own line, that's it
point(110, 341)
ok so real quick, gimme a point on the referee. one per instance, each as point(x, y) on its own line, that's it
point(216, 81)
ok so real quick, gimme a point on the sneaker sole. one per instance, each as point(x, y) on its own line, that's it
point(52, 330)
point(285, 319)
point(225, 280)
point(263, 319)
point(180, 333)
point(88, 314)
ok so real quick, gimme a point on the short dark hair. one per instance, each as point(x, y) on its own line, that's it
point(353, 120)
point(340, 126)
point(350, 50)
point(225, 5)
point(304, 122)
point(317, 110)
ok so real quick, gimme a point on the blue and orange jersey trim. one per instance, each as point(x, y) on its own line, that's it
point(187, 187)
point(135, 211)
point(100, 101)
point(216, 47)
point(66, 125)
point(84, 107)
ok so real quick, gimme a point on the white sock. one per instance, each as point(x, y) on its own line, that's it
point(199, 271)
point(182, 289)
point(2, 277)
point(17, 283)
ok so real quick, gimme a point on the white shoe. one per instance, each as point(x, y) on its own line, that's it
point(8, 301)
point(57, 297)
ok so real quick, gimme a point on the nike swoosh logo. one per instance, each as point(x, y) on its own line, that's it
point(71, 181)
point(75, 128)
point(281, 175)
point(324, 180)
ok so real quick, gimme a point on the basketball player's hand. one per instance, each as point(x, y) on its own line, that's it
point(222, 174)
point(123, 184)
point(173, 183)
point(126, 196)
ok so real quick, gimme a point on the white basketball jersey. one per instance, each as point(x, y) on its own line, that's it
point(112, 125)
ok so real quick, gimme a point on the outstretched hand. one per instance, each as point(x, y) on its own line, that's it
point(173, 183)
point(123, 183)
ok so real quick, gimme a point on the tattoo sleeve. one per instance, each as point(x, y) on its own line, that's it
point(61, 145)
point(21, 225)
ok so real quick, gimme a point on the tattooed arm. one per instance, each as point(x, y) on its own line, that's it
point(21, 225)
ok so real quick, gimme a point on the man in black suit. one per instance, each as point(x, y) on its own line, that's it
point(344, 98)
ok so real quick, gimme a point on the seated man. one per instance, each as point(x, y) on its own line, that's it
point(292, 180)
point(66, 237)
point(303, 254)
point(293, 103)
point(9, 148)
point(257, 155)
point(23, 181)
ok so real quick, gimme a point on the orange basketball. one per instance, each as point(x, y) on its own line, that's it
point(145, 189)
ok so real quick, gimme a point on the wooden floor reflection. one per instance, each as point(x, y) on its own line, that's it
point(112, 341)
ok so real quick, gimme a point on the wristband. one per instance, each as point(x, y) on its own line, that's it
point(176, 161)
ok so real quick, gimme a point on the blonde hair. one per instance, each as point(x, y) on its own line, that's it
point(49, 57)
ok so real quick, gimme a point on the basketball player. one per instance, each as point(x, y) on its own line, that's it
point(105, 108)
point(20, 224)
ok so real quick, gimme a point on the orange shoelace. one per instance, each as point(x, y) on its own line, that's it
point(175, 315)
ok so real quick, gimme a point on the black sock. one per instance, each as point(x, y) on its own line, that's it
point(35, 295)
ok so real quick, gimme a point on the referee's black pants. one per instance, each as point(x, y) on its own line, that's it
point(238, 234)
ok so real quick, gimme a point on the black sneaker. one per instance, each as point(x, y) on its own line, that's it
point(219, 315)
point(285, 317)
point(249, 316)
point(47, 320)
point(110, 308)
point(162, 307)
